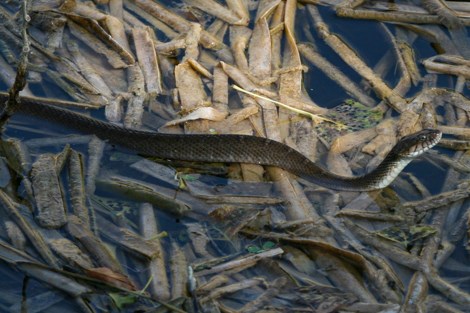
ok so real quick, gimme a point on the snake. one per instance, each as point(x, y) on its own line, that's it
point(231, 148)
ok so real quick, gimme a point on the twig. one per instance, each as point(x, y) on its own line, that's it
point(240, 262)
point(285, 106)
point(21, 72)
point(443, 199)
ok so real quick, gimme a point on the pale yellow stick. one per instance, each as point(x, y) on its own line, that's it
point(298, 111)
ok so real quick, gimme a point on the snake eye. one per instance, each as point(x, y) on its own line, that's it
point(422, 138)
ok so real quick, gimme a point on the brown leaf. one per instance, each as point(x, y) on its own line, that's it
point(116, 279)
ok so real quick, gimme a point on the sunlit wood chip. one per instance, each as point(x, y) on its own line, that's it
point(239, 7)
point(81, 9)
point(204, 113)
point(177, 22)
point(135, 110)
point(190, 88)
point(239, 37)
point(117, 31)
point(147, 59)
point(351, 140)
point(216, 9)
point(193, 36)
point(200, 68)
point(266, 8)
point(260, 50)
point(113, 111)
point(100, 34)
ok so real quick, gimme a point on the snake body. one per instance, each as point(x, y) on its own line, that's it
point(233, 148)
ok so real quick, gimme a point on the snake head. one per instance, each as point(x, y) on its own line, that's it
point(416, 144)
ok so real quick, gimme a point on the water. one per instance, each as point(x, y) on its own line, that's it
point(370, 42)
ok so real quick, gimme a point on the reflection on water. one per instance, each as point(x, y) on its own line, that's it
point(89, 225)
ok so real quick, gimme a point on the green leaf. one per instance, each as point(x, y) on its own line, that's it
point(406, 235)
point(421, 231)
point(160, 235)
point(253, 249)
point(268, 245)
point(122, 300)
point(182, 184)
point(188, 177)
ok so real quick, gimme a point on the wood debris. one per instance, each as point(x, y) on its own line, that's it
point(101, 227)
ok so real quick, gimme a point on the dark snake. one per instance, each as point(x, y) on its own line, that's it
point(233, 148)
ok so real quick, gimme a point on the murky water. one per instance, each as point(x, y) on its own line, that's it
point(197, 237)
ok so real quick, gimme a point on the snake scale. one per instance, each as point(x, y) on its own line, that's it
point(232, 148)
